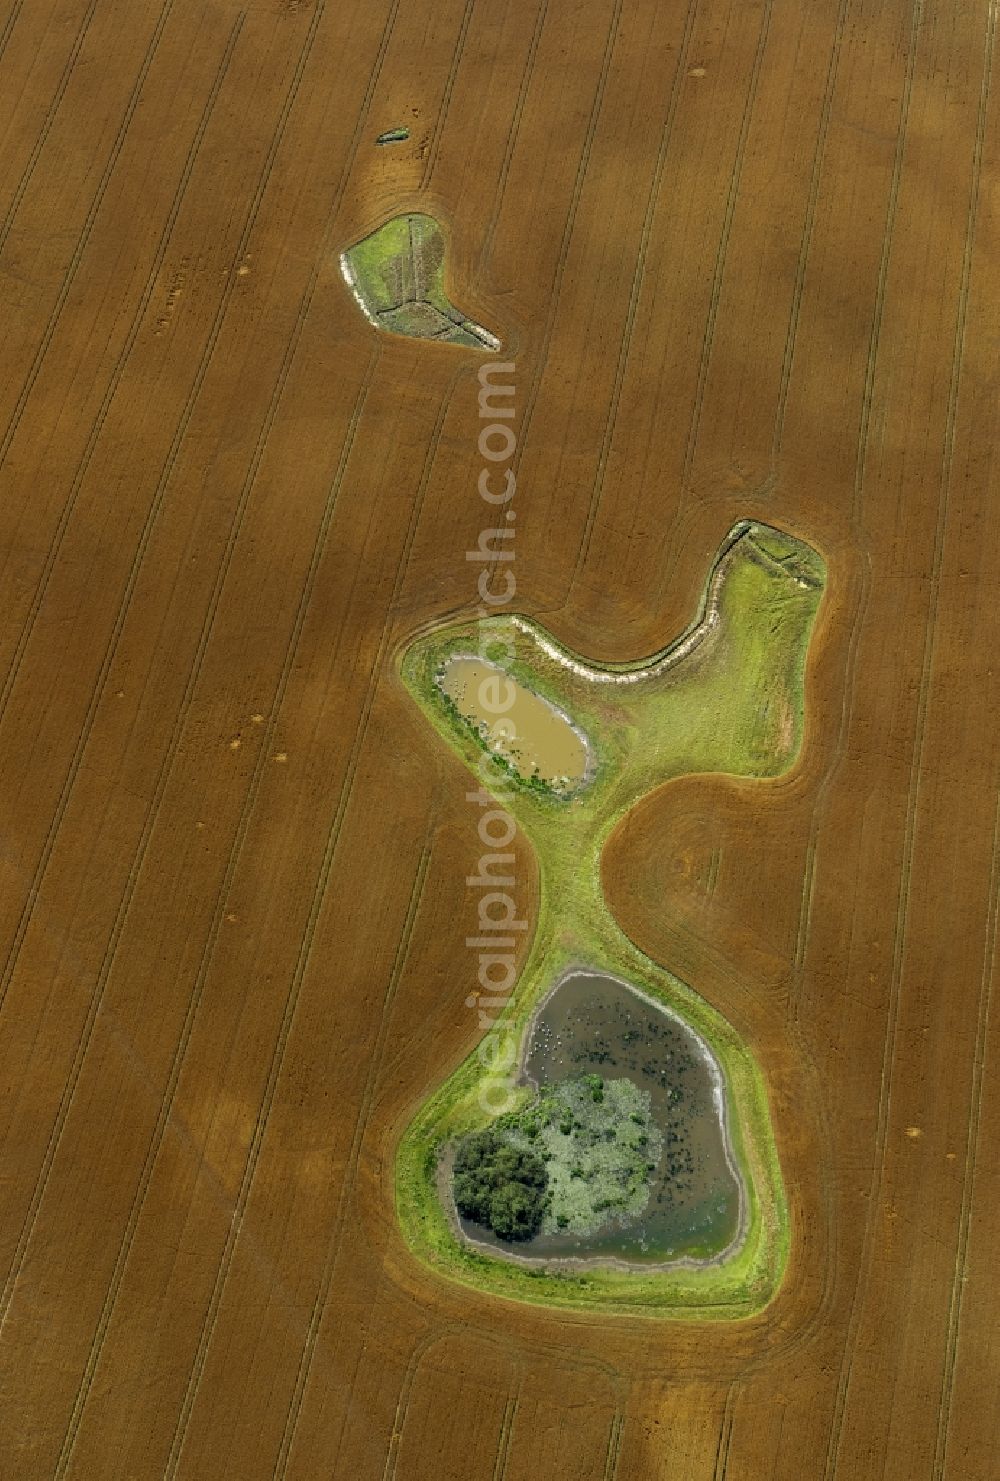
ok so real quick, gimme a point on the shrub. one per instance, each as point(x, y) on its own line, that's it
point(500, 1185)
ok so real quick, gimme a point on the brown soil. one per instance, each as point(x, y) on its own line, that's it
point(744, 259)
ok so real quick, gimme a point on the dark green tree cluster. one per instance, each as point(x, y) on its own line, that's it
point(499, 1185)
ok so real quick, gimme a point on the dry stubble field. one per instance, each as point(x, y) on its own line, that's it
point(743, 255)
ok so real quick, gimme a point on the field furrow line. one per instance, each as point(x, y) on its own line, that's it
point(53, 108)
point(111, 647)
point(957, 1296)
point(505, 1437)
point(614, 1451)
point(399, 1419)
point(87, 231)
point(723, 248)
point(163, 1119)
point(927, 663)
point(567, 236)
point(825, 786)
point(149, 821)
point(348, 1389)
point(809, 224)
point(258, 194)
point(362, 1352)
point(892, 204)
point(564, 245)
point(83, 1042)
point(302, 963)
point(725, 1436)
point(9, 25)
point(351, 1167)
point(822, 791)
point(449, 87)
point(715, 864)
point(163, 480)
point(170, 754)
point(405, 1391)
point(986, 983)
point(117, 374)
point(638, 278)
point(777, 1444)
point(805, 905)
point(485, 254)
point(197, 992)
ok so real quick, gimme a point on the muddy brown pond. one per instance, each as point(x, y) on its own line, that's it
point(592, 1023)
point(532, 733)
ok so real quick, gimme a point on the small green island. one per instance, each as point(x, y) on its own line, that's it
point(577, 1157)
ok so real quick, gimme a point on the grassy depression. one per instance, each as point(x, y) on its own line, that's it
point(397, 278)
point(726, 697)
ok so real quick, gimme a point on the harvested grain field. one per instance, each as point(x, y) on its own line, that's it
point(742, 258)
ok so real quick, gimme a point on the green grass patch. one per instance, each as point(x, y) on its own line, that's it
point(397, 273)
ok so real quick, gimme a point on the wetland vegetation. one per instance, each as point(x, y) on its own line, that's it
point(711, 1237)
point(628, 1121)
point(576, 1159)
